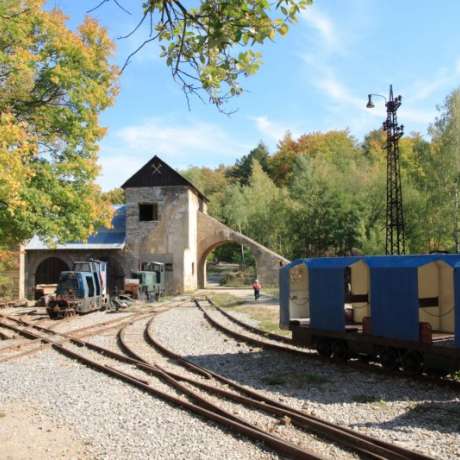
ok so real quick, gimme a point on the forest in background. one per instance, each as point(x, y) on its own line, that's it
point(324, 193)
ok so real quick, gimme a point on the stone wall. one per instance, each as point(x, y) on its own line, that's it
point(167, 240)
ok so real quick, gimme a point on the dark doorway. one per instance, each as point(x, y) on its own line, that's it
point(115, 275)
point(49, 270)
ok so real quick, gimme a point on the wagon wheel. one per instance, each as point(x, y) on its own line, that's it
point(435, 372)
point(324, 348)
point(412, 362)
point(340, 350)
point(390, 359)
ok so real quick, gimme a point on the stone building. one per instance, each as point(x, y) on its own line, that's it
point(164, 219)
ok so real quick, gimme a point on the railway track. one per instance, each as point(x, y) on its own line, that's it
point(192, 401)
point(285, 345)
point(218, 385)
point(30, 346)
point(199, 402)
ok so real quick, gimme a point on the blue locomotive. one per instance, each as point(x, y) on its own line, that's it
point(403, 311)
point(82, 290)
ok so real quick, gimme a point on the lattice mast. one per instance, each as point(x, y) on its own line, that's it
point(395, 238)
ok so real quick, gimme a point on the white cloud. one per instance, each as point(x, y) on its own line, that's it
point(444, 78)
point(319, 21)
point(179, 144)
point(273, 130)
point(178, 140)
point(116, 168)
point(359, 118)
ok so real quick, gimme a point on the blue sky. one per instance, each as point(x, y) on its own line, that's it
point(315, 79)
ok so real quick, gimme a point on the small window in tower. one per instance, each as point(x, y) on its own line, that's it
point(148, 212)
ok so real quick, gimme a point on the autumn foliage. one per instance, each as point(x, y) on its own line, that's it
point(54, 82)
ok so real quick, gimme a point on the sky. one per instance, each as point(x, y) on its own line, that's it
point(315, 79)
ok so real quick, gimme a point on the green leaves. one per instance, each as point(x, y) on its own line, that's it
point(208, 48)
point(54, 84)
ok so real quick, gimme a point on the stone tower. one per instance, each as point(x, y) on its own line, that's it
point(161, 223)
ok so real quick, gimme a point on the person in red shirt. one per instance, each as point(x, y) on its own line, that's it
point(257, 287)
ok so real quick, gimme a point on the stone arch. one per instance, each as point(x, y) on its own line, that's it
point(212, 234)
point(49, 269)
point(202, 261)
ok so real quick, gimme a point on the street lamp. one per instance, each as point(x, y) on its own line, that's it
point(395, 239)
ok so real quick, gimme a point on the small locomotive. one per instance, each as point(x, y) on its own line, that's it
point(82, 290)
point(401, 311)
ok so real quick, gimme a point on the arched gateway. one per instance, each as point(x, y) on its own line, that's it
point(212, 233)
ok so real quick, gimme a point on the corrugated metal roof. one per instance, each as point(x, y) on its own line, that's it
point(105, 238)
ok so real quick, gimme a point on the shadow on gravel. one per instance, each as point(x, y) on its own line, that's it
point(314, 382)
point(440, 416)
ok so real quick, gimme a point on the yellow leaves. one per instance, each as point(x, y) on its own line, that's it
point(16, 150)
point(56, 83)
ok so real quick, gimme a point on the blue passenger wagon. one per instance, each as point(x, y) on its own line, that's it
point(403, 311)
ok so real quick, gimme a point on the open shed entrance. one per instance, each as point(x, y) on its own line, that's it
point(49, 270)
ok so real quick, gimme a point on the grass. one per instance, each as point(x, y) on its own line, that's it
point(367, 399)
point(225, 300)
point(267, 316)
point(272, 291)
point(296, 380)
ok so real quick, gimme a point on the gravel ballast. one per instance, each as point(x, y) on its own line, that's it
point(423, 418)
point(113, 420)
point(116, 420)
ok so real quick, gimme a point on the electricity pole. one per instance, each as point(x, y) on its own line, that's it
point(395, 237)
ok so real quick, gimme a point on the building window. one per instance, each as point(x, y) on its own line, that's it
point(148, 212)
point(169, 267)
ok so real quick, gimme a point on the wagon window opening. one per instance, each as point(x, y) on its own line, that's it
point(357, 306)
point(299, 302)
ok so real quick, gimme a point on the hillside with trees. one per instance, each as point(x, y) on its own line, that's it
point(324, 192)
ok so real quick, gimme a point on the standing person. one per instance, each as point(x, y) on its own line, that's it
point(257, 287)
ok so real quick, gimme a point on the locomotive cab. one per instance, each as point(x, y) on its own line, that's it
point(69, 285)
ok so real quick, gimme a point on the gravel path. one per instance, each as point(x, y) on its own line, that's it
point(423, 418)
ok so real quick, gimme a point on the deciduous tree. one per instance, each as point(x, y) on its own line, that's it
point(53, 84)
point(210, 44)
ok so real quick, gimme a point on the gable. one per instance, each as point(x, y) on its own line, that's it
point(156, 173)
